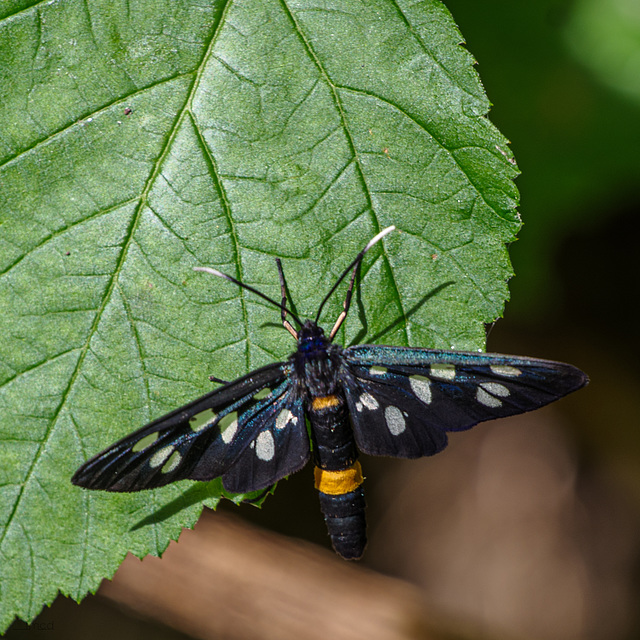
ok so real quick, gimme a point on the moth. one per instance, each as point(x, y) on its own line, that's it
point(327, 403)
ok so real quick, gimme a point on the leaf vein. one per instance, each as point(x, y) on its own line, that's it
point(81, 120)
point(426, 129)
point(233, 232)
point(334, 90)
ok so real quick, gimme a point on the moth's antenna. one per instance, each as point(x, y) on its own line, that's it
point(283, 290)
point(354, 265)
point(280, 305)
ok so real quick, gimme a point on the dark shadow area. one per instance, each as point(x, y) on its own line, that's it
point(195, 494)
point(198, 493)
point(599, 274)
point(95, 617)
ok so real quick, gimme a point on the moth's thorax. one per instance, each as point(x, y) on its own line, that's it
point(317, 365)
point(317, 360)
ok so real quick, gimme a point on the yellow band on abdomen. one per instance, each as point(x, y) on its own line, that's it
point(336, 483)
point(323, 402)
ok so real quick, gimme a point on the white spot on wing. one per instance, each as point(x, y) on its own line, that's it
point(160, 456)
point(369, 401)
point(496, 388)
point(505, 370)
point(228, 426)
point(487, 392)
point(145, 442)
point(265, 446)
point(262, 394)
point(395, 420)
point(284, 418)
point(202, 419)
point(443, 371)
point(421, 386)
point(172, 462)
point(377, 371)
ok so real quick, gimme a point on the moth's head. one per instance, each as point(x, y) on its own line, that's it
point(311, 337)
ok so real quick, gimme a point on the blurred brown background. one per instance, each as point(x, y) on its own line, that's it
point(524, 528)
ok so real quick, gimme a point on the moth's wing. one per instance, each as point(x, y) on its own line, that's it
point(387, 418)
point(278, 448)
point(402, 401)
point(200, 441)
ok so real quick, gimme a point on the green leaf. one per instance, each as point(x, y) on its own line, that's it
point(140, 140)
point(605, 36)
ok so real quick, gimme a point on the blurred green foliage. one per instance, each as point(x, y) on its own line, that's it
point(576, 139)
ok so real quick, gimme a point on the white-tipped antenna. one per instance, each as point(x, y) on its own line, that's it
point(353, 266)
point(379, 237)
point(281, 305)
point(215, 272)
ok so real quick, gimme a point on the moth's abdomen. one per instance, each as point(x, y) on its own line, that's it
point(338, 474)
point(333, 444)
point(343, 504)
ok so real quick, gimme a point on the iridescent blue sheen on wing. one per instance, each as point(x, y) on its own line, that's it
point(278, 448)
point(201, 440)
point(327, 403)
point(402, 401)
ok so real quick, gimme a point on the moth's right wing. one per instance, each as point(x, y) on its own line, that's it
point(403, 400)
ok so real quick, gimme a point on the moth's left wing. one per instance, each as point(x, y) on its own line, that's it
point(402, 401)
point(277, 449)
point(208, 437)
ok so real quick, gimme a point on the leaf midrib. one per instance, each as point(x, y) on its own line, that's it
point(128, 239)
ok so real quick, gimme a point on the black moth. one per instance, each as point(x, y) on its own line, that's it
point(327, 403)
